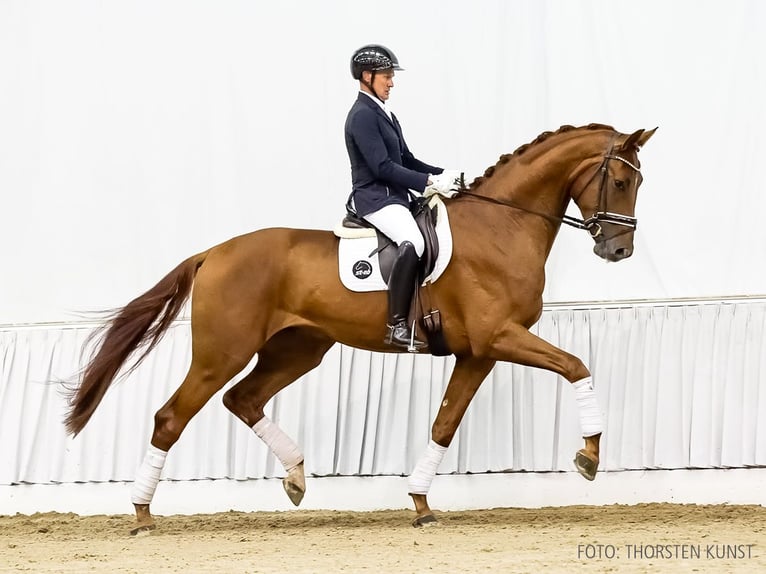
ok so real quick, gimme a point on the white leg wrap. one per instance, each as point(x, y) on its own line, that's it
point(280, 444)
point(590, 415)
point(425, 470)
point(148, 475)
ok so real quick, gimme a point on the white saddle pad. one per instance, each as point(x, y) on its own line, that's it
point(361, 272)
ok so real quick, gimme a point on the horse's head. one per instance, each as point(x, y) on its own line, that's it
point(607, 196)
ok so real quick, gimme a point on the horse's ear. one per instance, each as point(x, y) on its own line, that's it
point(631, 143)
point(645, 138)
point(636, 140)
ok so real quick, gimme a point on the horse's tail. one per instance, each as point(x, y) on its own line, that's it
point(141, 323)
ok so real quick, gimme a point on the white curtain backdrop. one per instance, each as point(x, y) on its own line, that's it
point(679, 386)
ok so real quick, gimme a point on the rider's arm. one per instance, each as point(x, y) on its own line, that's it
point(410, 161)
point(367, 137)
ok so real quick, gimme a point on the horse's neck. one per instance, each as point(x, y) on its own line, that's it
point(537, 185)
point(540, 181)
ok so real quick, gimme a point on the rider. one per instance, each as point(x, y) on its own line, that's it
point(383, 170)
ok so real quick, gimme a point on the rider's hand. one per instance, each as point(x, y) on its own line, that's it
point(446, 183)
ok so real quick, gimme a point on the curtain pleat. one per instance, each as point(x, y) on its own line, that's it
point(680, 386)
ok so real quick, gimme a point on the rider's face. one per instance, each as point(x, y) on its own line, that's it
point(382, 83)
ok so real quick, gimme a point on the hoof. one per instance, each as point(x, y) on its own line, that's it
point(586, 466)
point(294, 492)
point(427, 520)
point(142, 529)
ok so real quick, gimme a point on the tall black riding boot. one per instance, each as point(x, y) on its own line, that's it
point(401, 285)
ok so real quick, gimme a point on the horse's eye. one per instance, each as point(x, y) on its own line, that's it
point(619, 184)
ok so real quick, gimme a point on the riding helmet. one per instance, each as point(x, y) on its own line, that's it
point(374, 58)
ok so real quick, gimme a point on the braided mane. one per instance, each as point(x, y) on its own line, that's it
point(505, 158)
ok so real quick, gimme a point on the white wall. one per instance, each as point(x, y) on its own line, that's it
point(364, 493)
point(133, 134)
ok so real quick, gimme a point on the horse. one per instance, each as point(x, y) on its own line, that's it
point(276, 293)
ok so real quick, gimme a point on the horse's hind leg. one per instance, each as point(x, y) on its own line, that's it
point(285, 357)
point(208, 373)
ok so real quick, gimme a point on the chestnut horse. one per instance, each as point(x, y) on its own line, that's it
point(276, 292)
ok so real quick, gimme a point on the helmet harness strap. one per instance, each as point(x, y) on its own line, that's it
point(369, 84)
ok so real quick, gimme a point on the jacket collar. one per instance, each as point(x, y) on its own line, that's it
point(367, 101)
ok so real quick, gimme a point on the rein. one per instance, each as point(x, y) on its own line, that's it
point(567, 219)
point(592, 222)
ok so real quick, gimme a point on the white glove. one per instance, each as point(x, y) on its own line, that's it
point(446, 183)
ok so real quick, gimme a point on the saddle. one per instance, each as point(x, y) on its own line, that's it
point(425, 218)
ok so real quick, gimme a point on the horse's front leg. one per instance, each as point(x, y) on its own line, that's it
point(466, 378)
point(516, 344)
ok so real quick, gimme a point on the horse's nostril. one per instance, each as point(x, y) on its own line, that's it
point(623, 252)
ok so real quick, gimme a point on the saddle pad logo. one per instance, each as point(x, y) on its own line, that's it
point(361, 269)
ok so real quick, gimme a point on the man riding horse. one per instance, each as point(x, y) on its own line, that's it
point(383, 171)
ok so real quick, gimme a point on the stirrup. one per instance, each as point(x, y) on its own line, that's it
point(412, 344)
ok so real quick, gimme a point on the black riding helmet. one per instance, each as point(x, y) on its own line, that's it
point(373, 58)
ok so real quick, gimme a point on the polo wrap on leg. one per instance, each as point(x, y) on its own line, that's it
point(590, 415)
point(280, 444)
point(148, 475)
point(425, 470)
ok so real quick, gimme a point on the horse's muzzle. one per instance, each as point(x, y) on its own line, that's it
point(613, 249)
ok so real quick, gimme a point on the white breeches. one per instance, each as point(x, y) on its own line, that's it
point(396, 222)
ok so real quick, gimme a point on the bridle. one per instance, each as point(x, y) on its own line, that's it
point(593, 223)
point(602, 215)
